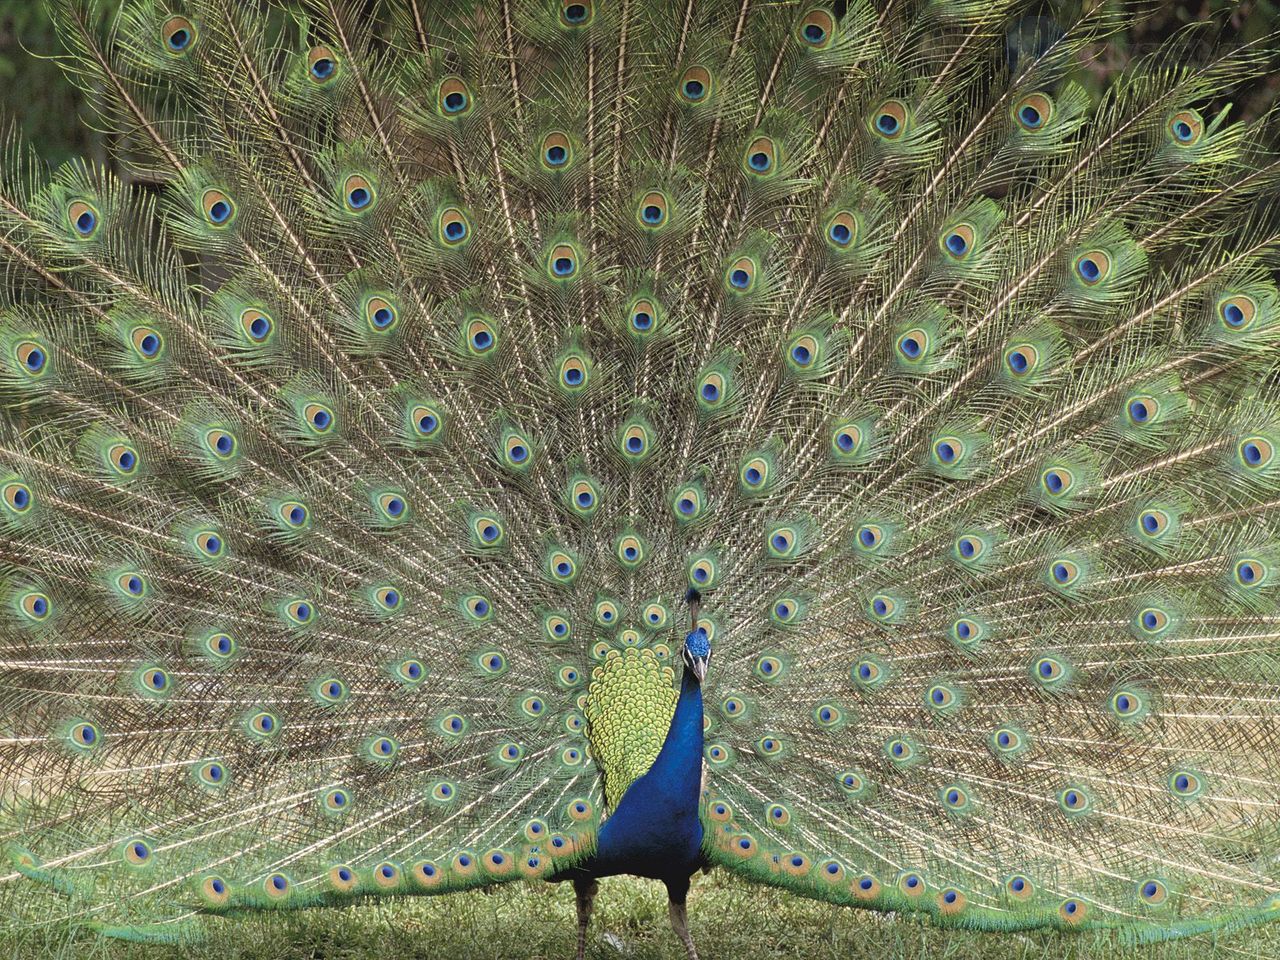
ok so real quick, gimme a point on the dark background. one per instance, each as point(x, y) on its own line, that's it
point(51, 112)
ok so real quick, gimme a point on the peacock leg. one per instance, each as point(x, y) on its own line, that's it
point(585, 891)
point(676, 909)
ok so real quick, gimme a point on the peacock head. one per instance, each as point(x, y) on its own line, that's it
point(697, 652)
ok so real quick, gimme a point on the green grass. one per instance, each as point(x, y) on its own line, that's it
point(729, 919)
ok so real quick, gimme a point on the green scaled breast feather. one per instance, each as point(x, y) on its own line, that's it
point(370, 402)
point(629, 709)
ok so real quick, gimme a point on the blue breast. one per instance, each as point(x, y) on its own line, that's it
point(655, 830)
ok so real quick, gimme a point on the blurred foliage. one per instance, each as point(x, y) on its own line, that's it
point(52, 113)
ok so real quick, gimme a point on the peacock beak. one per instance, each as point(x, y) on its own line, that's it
point(697, 664)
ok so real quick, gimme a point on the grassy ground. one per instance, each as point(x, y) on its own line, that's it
point(729, 919)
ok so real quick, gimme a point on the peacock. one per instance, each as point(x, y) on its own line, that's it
point(468, 441)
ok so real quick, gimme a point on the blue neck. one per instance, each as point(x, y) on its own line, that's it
point(655, 831)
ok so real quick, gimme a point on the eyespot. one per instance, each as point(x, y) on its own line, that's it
point(300, 611)
point(1057, 481)
point(533, 706)
point(969, 548)
point(32, 357)
point(293, 514)
point(890, 120)
point(1021, 359)
point(1256, 453)
point(846, 440)
point(1250, 573)
point(803, 352)
point(1049, 669)
point(212, 773)
point(257, 325)
point(85, 736)
point(276, 886)
point(477, 607)
point(454, 227)
point(630, 550)
point(702, 573)
point(1033, 112)
point(866, 887)
point(221, 443)
point(912, 884)
point(330, 690)
point(816, 28)
point(635, 442)
point(1184, 784)
point(380, 314)
point(579, 810)
point(761, 157)
point(123, 459)
point(1237, 312)
point(1153, 523)
point(957, 241)
point(147, 342)
point(827, 715)
point(576, 13)
point(562, 262)
point(17, 496)
point(453, 725)
point(218, 208)
point(741, 275)
point(687, 504)
point(655, 616)
point(966, 632)
point(652, 210)
point(785, 610)
point(574, 373)
point(1093, 266)
point(557, 151)
point(488, 531)
point(606, 612)
point(1073, 800)
point(137, 853)
point(913, 345)
point(1185, 128)
point(557, 627)
point(454, 98)
point(712, 390)
point(322, 65)
point(1006, 741)
point(718, 755)
point(939, 697)
point(781, 541)
point(343, 878)
point(482, 339)
point(1152, 621)
point(319, 418)
point(381, 749)
point(868, 673)
point(426, 421)
point(1019, 887)
point(949, 450)
point(882, 606)
point(264, 724)
point(644, 316)
point(178, 34)
point(388, 598)
point(209, 543)
point(770, 668)
point(842, 230)
point(1064, 573)
point(83, 218)
point(220, 646)
point(357, 193)
point(1152, 892)
point(899, 751)
point(492, 662)
point(517, 451)
point(1142, 410)
point(153, 681)
point(336, 800)
point(1126, 703)
point(695, 85)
